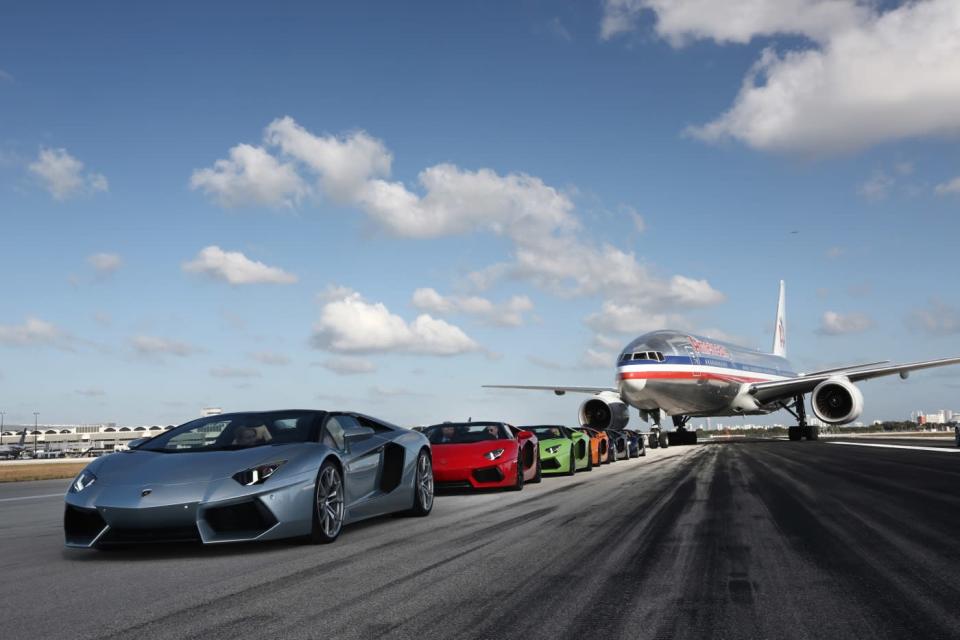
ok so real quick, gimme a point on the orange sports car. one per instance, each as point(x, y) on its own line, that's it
point(600, 452)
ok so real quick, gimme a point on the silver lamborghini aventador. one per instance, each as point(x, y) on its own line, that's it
point(251, 476)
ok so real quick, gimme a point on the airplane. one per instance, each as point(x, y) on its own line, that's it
point(14, 450)
point(685, 376)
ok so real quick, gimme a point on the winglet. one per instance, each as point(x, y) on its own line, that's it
point(780, 331)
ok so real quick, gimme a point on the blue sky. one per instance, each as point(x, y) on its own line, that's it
point(382, 207)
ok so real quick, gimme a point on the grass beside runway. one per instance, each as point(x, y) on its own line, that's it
point(40, 471)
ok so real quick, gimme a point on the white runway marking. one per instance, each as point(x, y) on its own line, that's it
point(899, 446)
point(47, 495)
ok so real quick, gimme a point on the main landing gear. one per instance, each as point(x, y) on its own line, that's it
point(682, 435)
point(802, 430)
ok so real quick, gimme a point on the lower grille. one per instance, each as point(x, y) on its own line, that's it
point(246, 517)
point(462, 484)
point(491, 474)
point(81, 526)
point(157, 534)
point(551, 464)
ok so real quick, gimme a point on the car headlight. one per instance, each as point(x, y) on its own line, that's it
point(554, 450)
point(258, 474)
point(82, 481)
point(493, 455)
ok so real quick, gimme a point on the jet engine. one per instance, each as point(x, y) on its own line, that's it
point(604, 411)
point(837, 401)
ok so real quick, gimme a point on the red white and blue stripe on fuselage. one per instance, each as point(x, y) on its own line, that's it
point(687, 368)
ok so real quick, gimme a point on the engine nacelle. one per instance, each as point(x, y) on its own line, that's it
point(837, 401)
point(604, 411)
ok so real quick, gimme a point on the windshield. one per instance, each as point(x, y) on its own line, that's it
point(235, 431)
point(546, 433)
point(465, 433)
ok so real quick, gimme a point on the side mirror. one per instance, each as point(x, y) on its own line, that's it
point(523, 434)
point(133, 444)
point(357, 433)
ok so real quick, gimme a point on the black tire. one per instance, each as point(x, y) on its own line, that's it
point(654, 440)
point(793, 433)
point(537, 478)
point(664, 440)
point(573, 463)
point(422, 487)
point(589, 458)
point(956, 435)
point(813, 432)
point(519, 484)
point(322, 532)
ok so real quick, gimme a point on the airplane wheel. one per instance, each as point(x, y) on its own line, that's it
point(793, 433)
point(813, 433)
point(664, 440)
point(654, 441)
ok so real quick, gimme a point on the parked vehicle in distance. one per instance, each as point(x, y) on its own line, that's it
point(483, 455)
point(250, 477)
point(562, 450)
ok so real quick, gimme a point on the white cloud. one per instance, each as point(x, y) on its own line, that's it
point(251, 176)
point(948, 187)
point(938, 319)
point(835, 324)
point(615, 317)
point(63, 175)
point(348, 365)
point(739, 21)
point(344, 165)
point(353, 325)
point(236, 268)
point(506, 314)
point(548, 244)
point(234, 372)
point(152, 345)
point(33, 332)
point(105, 263)
point(270, 358)
point(885, 77)
point(877, 187)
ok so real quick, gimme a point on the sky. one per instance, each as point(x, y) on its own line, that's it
point(382, 206)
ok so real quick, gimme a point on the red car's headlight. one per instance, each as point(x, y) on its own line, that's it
point(493, 455)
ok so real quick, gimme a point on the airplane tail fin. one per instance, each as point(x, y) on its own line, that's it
point(23, 436)
point(780, 331)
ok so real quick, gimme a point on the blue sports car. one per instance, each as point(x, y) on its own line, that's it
point(251, 476)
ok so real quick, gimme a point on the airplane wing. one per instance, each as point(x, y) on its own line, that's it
point(847, 368)
point(557, 390)
point(780, 389)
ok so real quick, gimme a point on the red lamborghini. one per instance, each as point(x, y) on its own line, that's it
point(483, 455)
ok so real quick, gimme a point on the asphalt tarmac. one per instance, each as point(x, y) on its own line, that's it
point(770, 539)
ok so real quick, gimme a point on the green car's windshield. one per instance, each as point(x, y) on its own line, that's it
point(546, 433)
point(236, 431)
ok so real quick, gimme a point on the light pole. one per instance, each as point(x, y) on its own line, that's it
point(35, 414)
point(2, 413)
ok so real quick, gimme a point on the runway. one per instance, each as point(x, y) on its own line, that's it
point(763, 539)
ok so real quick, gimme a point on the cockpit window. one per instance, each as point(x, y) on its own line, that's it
point(648, 355)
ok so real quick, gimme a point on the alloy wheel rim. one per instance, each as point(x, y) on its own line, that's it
point(425, 483)
point(330, 502)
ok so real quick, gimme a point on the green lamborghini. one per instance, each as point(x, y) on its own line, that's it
point(562, 450)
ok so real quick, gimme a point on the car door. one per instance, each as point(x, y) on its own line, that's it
point(363, 458)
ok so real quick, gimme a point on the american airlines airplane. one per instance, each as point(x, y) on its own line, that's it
point(688, 376)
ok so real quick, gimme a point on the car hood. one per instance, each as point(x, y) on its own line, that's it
point(470, 453)
point(552, 442)
point(139, 467)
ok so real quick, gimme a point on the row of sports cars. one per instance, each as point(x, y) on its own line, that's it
point(489, 455)
point(302, 473)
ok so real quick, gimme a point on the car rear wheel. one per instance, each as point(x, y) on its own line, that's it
point(422, 487)
point(328, 505)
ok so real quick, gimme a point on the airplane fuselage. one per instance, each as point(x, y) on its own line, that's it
point(686, 374)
